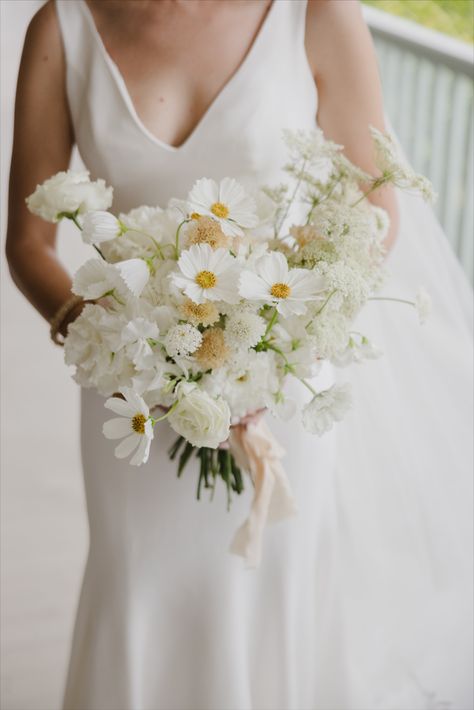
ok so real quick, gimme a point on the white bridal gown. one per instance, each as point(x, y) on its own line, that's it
point(362, 599)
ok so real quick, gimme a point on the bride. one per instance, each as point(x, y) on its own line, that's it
point(362, 601)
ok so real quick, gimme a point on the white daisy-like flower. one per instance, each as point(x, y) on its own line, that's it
point(207, 274)
point(244, 329)
point(226, 201)
point(423, 304)
point(183, 339)
point(325, 408)
point(100, 226)
point(133, 423)
point(96, 278)
point(273, 282)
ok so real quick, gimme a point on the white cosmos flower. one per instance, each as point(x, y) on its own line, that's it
point(227, 202)
point(100, 226)
point(273, 282)
point(133, 423)
point(96, 277)
point(207, 274)
point(68, 192)
point(325, 408)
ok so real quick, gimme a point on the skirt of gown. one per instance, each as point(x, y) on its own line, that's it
point(168, 619)
point(363, 601)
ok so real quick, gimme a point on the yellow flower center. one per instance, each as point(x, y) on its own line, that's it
point(138, 423)
point(206, 279)
point(280, 290)
point(195, 215)
point(220, 210)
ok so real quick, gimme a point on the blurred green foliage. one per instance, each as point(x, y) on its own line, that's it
point(453, 17)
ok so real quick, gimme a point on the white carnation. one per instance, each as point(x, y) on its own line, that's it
point(182, 339)
point(69, 192)
point(91, 345)
point(201, 419)
point(96, 278)
point(244, 329)
point(325, 408)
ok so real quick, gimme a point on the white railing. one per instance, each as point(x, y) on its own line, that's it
point(427, 80)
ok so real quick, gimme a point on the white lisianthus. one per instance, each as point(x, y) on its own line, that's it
point(133, 423)
point(325, 408)
point(182, 339)
point(244, 329)
point(69, 192)
point(100, 226)
point(207, 274)
point(135, 337)
point(423, 304)
point(96, 278)
point(274, 283)
point(201, 419)
point(227, 202)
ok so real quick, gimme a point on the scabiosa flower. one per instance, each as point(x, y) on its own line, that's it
point(227, 202)
point(199, 313)
point(183, 339)
point(100, 226)
point(273, 282)
point(96, 278)
point(205, 230)
point(244, 330)
point(213, 351)
point(207, 275)
point(325, 408)
point(133, 423)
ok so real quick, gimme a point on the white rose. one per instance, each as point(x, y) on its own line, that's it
point(69, 192)
point(198, 417)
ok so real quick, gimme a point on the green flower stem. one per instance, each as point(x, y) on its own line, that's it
point(326, 302)
point(397, 300)
point(165, 415)
point(292, 199)
point(307, 385)
point(377, 182)
point(176, 246)
point(271, 322)
point(73, 217)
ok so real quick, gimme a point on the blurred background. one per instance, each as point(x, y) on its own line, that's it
point(426, 56)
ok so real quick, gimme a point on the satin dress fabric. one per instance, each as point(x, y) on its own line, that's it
point(167, 618)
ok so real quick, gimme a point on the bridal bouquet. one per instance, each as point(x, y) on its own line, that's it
point(208, 305)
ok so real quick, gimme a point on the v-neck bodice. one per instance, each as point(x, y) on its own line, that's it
point(239, 134)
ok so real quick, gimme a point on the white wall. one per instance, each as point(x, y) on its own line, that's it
point(43, 521)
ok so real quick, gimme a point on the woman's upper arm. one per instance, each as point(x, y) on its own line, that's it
point(43, 135)
point(342, 57)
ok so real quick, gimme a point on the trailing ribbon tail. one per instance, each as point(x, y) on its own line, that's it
point(258, 452)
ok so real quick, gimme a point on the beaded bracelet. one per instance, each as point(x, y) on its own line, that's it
point(59, 316)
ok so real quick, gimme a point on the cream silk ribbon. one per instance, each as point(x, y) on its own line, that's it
point(256, 450)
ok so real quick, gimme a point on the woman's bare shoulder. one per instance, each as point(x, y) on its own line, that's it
point(43, 34)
